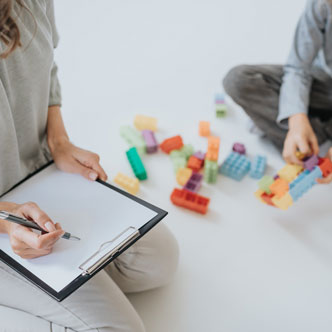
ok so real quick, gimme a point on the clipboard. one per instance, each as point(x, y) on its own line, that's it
point(98, 248)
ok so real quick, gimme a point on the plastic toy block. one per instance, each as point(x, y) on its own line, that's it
point(187, 150)
point(267, 198)
point(290, 172)
point(195, 164)
point(213, 143)
point(178, 162)
point(258, 167)
point(142, 122)
point(127, 183)
point(204, 128)
point(258, 194)
point(265, 182)
point(221, 110)
point(136, 164)
point(299, 155)
point(325, 166)
point(239, 148)
point(310, 162)
point(150, 141)
point(219, 98)
point(194, 183)
point(283, 202)
point(199, 155)
point(172, 143)
point(210, 171)
point(236, 166)
point(183, 175)
point(133, 138)
point(189, 200)
point(212, 155)
point(279, 187)
point(304, 182)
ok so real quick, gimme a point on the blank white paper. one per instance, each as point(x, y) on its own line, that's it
point(89, 210)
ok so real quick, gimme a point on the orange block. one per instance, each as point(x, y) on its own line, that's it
point(267, 198)
point(213, 143)
point(204, 128)
point(195, 164)
point(279, 187)
point(325, 166)
point(172, 143)
point(212, 155)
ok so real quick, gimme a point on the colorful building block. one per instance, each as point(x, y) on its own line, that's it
point(236, 166)
point(133, 138)
point(204, 128)
point(195, 164)
point(172, 143)
point(279, 187)
point(178, 162)
point(219, 98)
point(150, 141)
point(310, 162)
point(142, 122)
point(210, 171)
point(190, 200)
point(213, 148)
point(258, 167)
point(290, 172)
point(199, 155)
point(183, 175)
point(127, 183)
point(221, 110)
point(265, 182)
point(325, 165)
point(136, 164)
point(283, 202)
point(239, 148)
point(187, 150)
point(194, 183)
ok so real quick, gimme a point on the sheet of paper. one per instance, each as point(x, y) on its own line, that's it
point(89, 210)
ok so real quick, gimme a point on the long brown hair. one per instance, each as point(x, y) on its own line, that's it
point(9, 31)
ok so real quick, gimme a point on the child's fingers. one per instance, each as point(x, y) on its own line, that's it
point(325, 180)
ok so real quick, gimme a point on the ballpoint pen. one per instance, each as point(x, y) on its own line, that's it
point(24, 222)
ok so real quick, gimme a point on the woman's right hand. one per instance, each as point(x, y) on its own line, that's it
point(26, 243)
point(300, 137)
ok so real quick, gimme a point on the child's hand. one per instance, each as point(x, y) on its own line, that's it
point(72, 159)
point(329, 178)
point(300, 137)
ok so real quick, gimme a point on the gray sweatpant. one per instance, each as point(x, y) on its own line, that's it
point(256, 89)
point(100, 304)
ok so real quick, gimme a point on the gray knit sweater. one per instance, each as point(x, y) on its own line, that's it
point(28, 85)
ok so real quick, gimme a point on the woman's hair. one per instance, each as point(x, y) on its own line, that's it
point(9, 31)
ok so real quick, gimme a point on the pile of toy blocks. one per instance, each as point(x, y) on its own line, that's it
point(292, 182)
point(221, 108)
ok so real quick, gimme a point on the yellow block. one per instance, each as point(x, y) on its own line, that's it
point(258, 194)
point(290, 172)
point(142, 122)
point(182, 175)
point(127, 183)
point(283, 202)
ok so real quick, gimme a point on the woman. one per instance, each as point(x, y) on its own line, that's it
point(292, 105)
point(32, 133)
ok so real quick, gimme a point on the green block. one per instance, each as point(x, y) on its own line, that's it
point(136, 164)
point(265, 182)
point(133, 138)
point(221, 110)
point(187, 150)
point(179, 162)
point(210, 171)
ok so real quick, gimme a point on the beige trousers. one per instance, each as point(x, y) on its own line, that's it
point(100, 304)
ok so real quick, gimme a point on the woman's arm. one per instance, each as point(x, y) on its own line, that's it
point(67, 156)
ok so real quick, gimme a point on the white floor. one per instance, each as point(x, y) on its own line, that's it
point(244, 266)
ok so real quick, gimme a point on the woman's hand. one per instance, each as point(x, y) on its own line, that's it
point(26, 243)
point(72, 159)
point(300, 137)
point(328, 179)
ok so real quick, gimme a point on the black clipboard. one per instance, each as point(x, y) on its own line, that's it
point(87, 273)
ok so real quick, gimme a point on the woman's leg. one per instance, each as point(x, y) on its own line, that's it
point(256, 89)
point(99, 305)
point(150, 263)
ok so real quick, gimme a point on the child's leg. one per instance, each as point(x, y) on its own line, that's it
point(256, 89)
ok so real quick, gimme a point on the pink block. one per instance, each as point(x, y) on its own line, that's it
point(150, 141)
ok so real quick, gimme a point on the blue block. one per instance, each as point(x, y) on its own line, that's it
point(258, 167)
point(305, 181)
point(236, 166)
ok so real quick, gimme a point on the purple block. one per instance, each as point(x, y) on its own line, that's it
point(199, 155)
point(239, 148)
point(194, 183)
point(310, 162)
point(150, 141)
point(276, 177)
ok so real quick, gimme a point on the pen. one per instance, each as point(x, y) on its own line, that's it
point(24, 222)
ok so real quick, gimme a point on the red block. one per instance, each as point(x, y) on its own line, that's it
point(172, 143)
point(190, 201)
point(268, 198)
point(195, 164)
point(325, 166)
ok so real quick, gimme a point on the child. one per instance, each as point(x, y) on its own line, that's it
point(292, 104)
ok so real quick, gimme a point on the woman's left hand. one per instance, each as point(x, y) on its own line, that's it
point(71, 159)
point(329, 178)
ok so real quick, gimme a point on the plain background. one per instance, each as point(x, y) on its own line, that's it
point(244, 266)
